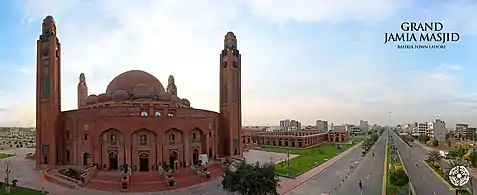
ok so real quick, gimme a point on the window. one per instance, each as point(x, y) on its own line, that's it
point(157, 113)
point(68, 156)
point(67, 135)
point(85, 137)
point(210, 134)
point(112, 139)
point(172, 139)
point(193, 136)
point(143, 140)
point(144, 113)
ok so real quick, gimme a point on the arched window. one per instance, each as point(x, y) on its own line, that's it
point(144, 113)
point(157, 113)
point(112, 139)
point(143, 140)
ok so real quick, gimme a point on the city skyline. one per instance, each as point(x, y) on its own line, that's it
point(301, 60)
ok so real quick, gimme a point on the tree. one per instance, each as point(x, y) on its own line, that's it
point(434, 157)
point(255, 179)
point(473, 158)
point(399, 178)
point(435, 142)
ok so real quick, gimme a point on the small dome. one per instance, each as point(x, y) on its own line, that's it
point(185, 102)
point(91, 99)
point(121, 95)
point(104, 97)
point(165, 97)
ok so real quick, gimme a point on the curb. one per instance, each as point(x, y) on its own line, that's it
point(452, 189)
point(405, 170)
point(339, 156)
point(385, 173)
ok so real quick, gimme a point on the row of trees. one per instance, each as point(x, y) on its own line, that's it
point(368, 143)
point(398, 177)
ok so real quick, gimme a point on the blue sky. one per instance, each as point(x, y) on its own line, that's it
point(302, 59)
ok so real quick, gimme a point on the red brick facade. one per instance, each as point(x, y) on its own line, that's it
point(293, 139)
point(136, 121)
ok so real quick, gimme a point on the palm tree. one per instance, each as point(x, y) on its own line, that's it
point(452, 164)
point(434, 157)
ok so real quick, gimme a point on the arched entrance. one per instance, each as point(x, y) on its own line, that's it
point(113, 160)
point(195, 157)
point(143, 161)
point(173, 160)
point(86, 159)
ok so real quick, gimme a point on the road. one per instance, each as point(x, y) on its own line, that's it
point(422, 178)
point(445, 165)
point(345, 179)
point(369, 171)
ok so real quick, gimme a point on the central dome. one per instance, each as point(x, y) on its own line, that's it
point(128, 81)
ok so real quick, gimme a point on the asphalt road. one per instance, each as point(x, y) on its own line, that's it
point(445, 166)
point(422, 178)
point(369, 171)
point(330, 178)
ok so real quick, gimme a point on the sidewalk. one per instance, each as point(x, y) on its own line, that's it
point(290, 184)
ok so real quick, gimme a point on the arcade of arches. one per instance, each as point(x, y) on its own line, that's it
point(144, 150)
point(294, 139)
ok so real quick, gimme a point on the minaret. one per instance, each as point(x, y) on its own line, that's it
point(230, 98)
point(82, 91)
point(171, 86)
point(48, 95)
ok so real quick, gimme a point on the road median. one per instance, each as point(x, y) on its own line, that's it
point(413, 190)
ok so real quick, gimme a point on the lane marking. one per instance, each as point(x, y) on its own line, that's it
point(362, 192)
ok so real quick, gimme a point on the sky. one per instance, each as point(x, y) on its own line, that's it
point(301, 59)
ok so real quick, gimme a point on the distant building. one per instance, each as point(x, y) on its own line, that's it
point(322, 125)
point(463, 130)
point(290, 125)
point(439, 130)
point(364, 126)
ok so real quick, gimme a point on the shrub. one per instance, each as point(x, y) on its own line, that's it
point(399, 178)
point(435, 142)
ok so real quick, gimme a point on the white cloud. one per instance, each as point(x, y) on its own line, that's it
point(184, 38)
point(364, 11)
point(451, 67)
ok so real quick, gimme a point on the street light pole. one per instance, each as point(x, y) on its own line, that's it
point(288, 158)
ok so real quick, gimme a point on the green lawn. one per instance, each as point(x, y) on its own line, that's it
point(5, 155)
point(307, 159)
point(20, 191)
point(439, 171)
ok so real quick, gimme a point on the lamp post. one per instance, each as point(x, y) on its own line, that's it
point(288, 158)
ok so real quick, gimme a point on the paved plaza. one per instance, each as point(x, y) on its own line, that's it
point(253, 156)
point(22, 169)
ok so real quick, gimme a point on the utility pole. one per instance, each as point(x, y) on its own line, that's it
point(7, 174)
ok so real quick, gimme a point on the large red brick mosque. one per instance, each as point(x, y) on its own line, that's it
point(136, 121)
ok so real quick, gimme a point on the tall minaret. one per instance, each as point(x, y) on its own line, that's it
point(48, 95)
point(82, 91)
point(230, 98)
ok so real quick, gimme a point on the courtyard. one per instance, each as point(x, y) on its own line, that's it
point(306, 159)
